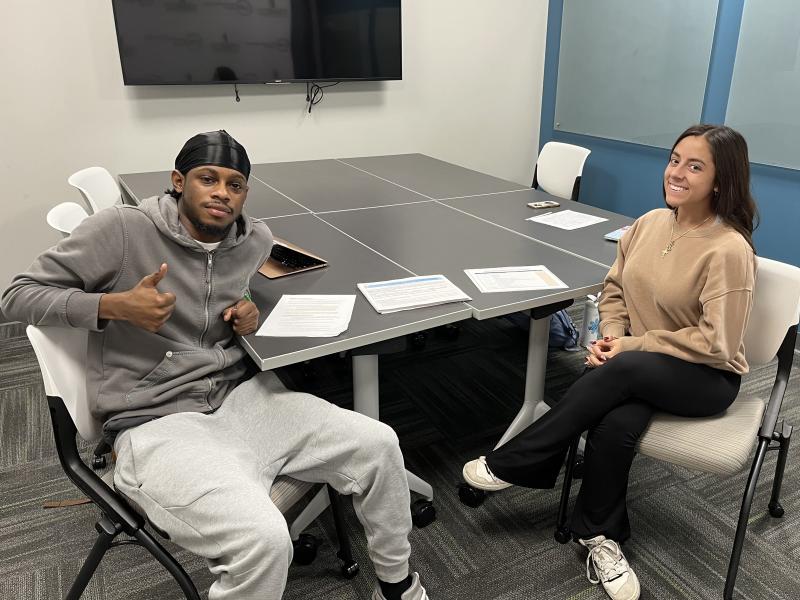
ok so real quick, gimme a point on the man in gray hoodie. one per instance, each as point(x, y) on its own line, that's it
point(163, 288)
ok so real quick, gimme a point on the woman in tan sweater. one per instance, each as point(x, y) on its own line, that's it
point(673, 313)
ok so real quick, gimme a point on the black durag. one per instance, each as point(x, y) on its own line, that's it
point(215, 148)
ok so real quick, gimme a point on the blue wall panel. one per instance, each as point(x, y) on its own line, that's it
point(626, 177)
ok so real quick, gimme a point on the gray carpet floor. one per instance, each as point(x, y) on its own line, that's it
point(448, 402)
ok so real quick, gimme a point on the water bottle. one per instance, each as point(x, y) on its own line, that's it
point(590, 328)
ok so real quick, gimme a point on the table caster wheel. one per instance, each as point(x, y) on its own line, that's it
point(562, 536)
point(305, 549)
point(775, 509)
point(472, 497)
point(423, 513)
point(350, 570)
point(99, 462)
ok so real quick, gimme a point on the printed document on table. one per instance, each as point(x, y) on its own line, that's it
point(411, 292)
point(514, 279)
point(309, 316)
point(567, 219)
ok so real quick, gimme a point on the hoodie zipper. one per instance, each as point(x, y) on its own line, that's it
point(209, 268)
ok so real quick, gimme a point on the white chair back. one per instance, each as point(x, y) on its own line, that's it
point(558, 166)
point(61, 352)
point(65, 217)
point(776, 307)
point(97, 187)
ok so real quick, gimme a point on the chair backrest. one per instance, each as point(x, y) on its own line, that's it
point(776, 307)
point(558, 166)
point(97, 187)
point(61, 352)
point(65, 217)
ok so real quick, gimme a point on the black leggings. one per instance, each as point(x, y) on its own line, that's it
point(614, 402)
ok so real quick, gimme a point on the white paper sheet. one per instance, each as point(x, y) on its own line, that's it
point(411, 292)
point(309, 316)
point(567, 219)
point(514, 279)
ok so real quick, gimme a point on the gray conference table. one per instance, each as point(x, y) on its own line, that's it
point(387, 217)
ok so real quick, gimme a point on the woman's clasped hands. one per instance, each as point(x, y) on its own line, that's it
point(601, 350)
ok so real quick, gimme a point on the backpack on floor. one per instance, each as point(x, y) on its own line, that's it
point(563, 333)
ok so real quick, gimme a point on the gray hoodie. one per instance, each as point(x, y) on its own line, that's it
point(134, 376)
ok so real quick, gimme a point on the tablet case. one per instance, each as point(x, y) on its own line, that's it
point(287, 259)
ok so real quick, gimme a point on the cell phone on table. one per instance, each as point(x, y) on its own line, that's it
point(544, 204)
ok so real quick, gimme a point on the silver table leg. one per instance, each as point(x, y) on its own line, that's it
point(533, 405)
point(366, 395)
point(366, 400)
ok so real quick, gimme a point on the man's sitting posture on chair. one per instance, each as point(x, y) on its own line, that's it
point(163, 288)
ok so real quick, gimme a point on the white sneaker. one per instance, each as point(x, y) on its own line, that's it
point(415, 592)
point(611, 569)
point(478, 475)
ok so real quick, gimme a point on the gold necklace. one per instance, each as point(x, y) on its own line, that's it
point(672, 240)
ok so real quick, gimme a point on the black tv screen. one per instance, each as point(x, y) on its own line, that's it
point(257, 41)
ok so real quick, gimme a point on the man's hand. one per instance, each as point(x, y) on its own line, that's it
point(243, 315)
point(601, 350)
point(143, 305)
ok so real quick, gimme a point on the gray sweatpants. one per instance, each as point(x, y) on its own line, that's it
point(205, 479)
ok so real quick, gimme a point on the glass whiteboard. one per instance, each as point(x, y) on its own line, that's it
point(764, 103)
point(631, 70)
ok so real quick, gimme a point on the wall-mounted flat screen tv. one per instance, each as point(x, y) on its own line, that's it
point(188, 42)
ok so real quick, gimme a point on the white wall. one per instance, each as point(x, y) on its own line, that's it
point(471, 95)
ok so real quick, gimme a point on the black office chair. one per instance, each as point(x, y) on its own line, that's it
point(61, 353)
point(723, 444)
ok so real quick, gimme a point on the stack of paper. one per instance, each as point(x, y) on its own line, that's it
point(309, 316)
point(514, 279)
point(567, 219)
point(411, 292)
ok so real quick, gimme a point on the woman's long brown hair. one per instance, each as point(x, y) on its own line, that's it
point(733, 202)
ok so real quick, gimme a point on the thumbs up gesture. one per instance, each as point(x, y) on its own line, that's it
point(143, 305)
point(150, 309)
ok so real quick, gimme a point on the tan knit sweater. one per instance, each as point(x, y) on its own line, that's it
point(693, 303)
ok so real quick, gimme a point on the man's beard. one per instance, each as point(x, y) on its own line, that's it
point(211, 230)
